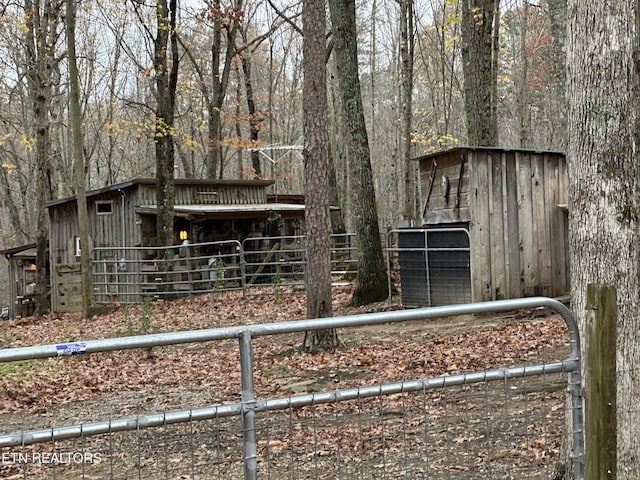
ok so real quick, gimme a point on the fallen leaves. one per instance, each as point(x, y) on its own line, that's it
point(382, 356)
point(372, 356)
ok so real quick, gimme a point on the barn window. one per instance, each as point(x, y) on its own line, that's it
point(104, 207)
point(76, 245)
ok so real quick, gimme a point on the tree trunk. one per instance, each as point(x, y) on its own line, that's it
point(480, 19)
point(523, 101)
point(166, 81)
point(558, 16)
point(336, 215)
point(40, 40)
point(214, 152)
point(407, 42)
point(238, 126)
point(316, 173)
point(341, 176)
point(372, 278)
point(226, 21)
point(255, 118)
point(14, 200)
point(78, 160)
point(603, 51)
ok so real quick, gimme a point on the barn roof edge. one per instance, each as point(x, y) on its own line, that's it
point(151, 181)
point(496, 149)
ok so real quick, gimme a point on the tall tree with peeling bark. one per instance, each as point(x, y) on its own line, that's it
point(603, 85)
point(372, 280)
point(316, 175)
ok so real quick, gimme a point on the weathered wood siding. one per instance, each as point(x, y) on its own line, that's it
point(518, 230)
point(68, 288)
point(21, 280)
point(511, 200)
point(212, 194)
point(62, 231)
point(454, 207)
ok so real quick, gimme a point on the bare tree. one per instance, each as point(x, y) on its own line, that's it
point(78, 156)
point(41, 37)
point(558, 17)
point(222, 53)
point(372, 278)
point(246, 52)
point(407, 49)
point(316, 171)
point(255, 117)
point(166, 79)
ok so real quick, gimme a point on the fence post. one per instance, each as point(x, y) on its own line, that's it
point(600, 382)
point(248, 408)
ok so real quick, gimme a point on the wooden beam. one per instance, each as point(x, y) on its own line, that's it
point(600, 382)
point(432, 177)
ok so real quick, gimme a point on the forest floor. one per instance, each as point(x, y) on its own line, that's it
point(467, 432)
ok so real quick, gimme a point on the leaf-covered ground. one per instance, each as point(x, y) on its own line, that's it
point(60, 391)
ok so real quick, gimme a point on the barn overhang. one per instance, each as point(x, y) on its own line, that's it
point(23, 250)
point(228, 211)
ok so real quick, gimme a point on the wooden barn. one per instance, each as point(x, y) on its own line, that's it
point(512, 203)
point(124, 215)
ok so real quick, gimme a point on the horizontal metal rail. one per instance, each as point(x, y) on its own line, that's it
point(260, 330)
point(136, 274)
point(293, 401)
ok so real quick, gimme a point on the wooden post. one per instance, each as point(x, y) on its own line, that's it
point(600, 382)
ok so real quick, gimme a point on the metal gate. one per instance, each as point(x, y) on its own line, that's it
point(434, 265)
point(505, 422)
point(126, 275)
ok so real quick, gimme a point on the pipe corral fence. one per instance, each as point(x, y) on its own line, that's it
point(426, 266)
point(504, 422)
point(253, 266)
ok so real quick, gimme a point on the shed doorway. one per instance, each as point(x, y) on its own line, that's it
point(435, 265)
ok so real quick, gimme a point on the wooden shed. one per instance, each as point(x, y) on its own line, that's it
point(22, 277)
point(124, 215)
point(513, 204)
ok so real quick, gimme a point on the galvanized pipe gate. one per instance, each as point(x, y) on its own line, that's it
point(249, 406)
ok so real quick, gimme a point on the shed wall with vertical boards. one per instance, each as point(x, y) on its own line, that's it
point(514, 203)
point(21, 281)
